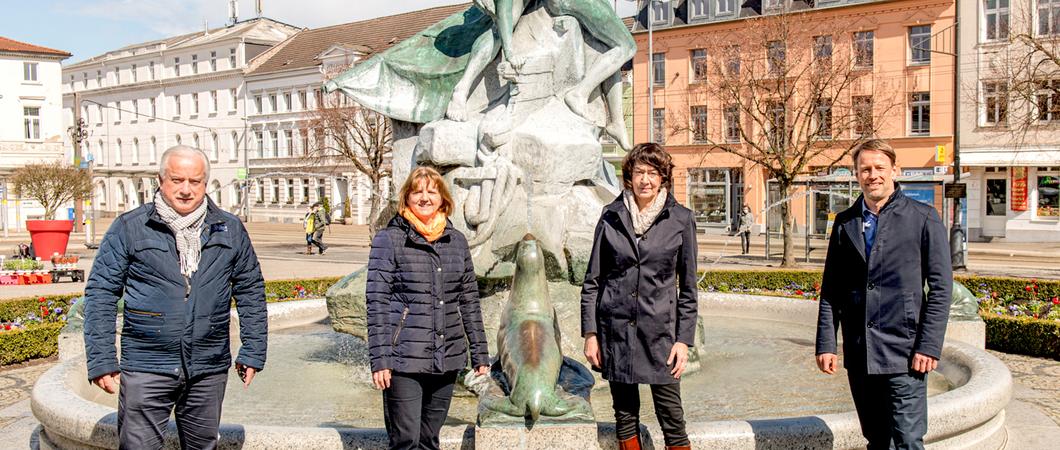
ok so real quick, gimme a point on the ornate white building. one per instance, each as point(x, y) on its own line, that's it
point(139, 100)
point(31, 125)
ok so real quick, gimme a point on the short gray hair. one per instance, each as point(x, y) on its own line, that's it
point(183, 150)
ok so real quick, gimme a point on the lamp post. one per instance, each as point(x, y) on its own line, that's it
point(651, 63)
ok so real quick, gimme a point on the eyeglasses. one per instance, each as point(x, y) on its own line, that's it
point(646, 173)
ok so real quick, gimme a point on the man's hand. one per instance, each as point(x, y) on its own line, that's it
point(109, 382)
point(592, 350)
point(827, 362)
point(482, 370)
point(381, 379)
point(246, 373)
point(923, 363)
point(678, 359)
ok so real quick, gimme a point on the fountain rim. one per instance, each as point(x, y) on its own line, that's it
point(975, 406)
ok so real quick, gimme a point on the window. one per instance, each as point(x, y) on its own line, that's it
point(289, 141)
point(117, 75)
point(920, 44)
point(697, 9)
point(154, 107)
point(153, 151)
point(99, 114)
point(732, 123)
point(99, 78)
point(151, 70)
point(1048, 17)
point(699, 65)
point(29, 71)
point(213, 101)
point(257, 105)
point(305, 190)
point(1048, 193)
point(260, 138)
point(232, 99)
point(194, 64)
point(710, 193)
point(195, 141)
point(194, 103)
point(117, 152)
point(136, 110)
point(995, 100)
point(773, 4)
point(699, 123)
point(177, 139)
point(214, 146)
point(213, 61)
point(657, 122)
point(133, 71)
point(776, 56)
point(658, 69)
point(920, 114)
point(176, 105)
point(822, 51)
point(302, 103)
point(995, 15)
point(176, 67)
point(287, 102)
point(726, 7)
point(862, 109)
point(231, 58)
point(274, 137)
point(233, 145)
point(660, 11)
point(863, 49)
point(260, 193)
point(31, 118)
point(276, 191)
point(1047, 100)
point(733, 63)
point(290, 191)
point(136, 151)
point(304, 133)
point(273, 107)
point(777, 126)
point(101, 152)
point(824, 118)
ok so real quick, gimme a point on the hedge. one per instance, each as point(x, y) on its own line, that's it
point(766, 280)
point(34, 341)
point(1023, 335)
point(16, 308)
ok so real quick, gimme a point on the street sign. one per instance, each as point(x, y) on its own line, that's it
point(940, 153)
point(956, 190)
point(241, 173)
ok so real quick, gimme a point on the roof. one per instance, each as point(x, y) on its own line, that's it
point(13, 46)
point(373, 35)
point(260, 29)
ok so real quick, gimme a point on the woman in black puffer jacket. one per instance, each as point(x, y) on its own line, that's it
point(423, 312)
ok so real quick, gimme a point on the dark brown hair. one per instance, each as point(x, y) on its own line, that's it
point(649, 154)
point(876, 145)
point(433, 178)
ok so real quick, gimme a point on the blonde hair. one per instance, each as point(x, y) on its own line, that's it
point(875, 145)
point(433, 178)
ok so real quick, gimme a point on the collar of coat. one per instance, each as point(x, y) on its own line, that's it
point(853, 228)
point(214, 216)
point(403, 224)
point(617, 209)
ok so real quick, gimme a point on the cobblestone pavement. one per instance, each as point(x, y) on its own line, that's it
point(1037, 380)
point(16, 384)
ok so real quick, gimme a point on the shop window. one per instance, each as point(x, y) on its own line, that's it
point(1048, 183)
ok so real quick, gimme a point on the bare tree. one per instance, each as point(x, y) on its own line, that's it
point(345, 132)
point(787, 93)
point(52, 185)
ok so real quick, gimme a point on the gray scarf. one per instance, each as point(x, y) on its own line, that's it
point(642, 220)
point(187, 229)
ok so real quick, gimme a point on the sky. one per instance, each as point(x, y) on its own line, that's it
point(88, 28)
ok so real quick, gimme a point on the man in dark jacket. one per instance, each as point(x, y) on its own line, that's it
point(177, 262)
point(881, 253)
point(320, 220)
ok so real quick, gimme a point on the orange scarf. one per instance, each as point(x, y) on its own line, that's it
point(430, 231)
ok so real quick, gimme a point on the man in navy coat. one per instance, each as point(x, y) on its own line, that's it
point(881, 253)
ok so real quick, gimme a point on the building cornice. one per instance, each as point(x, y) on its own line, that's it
point(180, 81)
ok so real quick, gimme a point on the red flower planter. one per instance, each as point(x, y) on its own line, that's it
point(49, 236)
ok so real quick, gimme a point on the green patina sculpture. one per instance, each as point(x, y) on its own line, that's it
point(529, 355)
point(964, 305)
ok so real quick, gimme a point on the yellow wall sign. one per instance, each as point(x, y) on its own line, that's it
point(940, 153)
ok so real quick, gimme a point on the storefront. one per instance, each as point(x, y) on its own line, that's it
point(1014, 195)
point(715, 196)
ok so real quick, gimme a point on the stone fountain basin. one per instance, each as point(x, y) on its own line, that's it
point(970, 416)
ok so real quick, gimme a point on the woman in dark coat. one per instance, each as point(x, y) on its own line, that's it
point(423, 312)
point(638, 301)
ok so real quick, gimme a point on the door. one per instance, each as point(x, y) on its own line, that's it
point(996, 207)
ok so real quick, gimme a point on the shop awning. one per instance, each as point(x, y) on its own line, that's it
point(1010, 157)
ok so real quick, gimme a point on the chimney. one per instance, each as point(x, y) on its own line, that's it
point(205, 26)
point(257, 7)
point(233, 12)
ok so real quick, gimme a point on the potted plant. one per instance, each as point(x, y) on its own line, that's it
point(347, 215)
point(52, 185)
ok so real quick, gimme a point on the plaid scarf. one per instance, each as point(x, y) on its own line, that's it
point(188, 231)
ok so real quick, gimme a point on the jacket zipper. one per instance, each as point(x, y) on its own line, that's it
point(143, 313)
point(401, 324)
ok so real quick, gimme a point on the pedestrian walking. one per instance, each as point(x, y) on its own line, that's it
point(882, 252)
point(638, 301)
point(746, 221)
point(177, 262)
point(423, 312)
point(308, 224)
point(315, 223)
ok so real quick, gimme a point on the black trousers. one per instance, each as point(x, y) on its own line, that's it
point(745, 242)
point(891, 409)
point(145, 401)
point(317, 239)
point(668, 410)
point(415, 407)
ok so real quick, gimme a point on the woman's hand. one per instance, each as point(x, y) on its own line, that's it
point(592, 350)
point(482, 370)
point(678, 359)
point(381, 379)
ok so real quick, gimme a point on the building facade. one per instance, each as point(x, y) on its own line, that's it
point(896, 48)
point(31, 125)
point(1010, 119)
point(139, 100)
